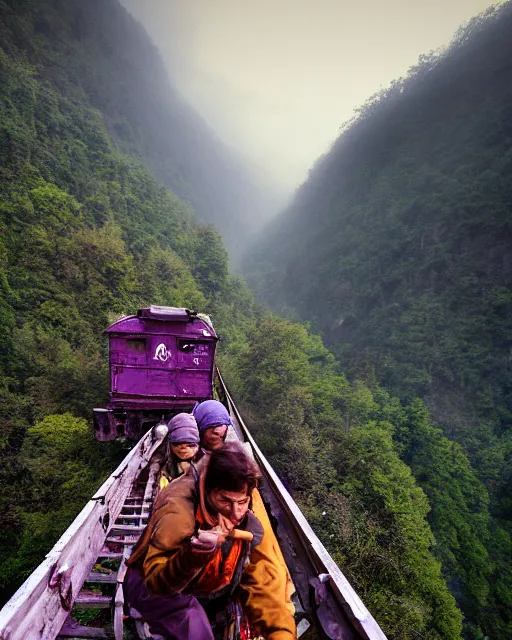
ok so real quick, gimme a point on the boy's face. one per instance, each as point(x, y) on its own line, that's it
point(231, 504)
point(213, 438)
point(184, 450)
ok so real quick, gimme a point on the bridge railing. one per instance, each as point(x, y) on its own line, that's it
point(41, 605)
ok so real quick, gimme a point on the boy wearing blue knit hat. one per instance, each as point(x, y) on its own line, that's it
point(213, 421)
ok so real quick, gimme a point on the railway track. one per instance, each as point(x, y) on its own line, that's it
point(86, 568)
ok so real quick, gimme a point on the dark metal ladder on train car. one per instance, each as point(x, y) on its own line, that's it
point(118, 546)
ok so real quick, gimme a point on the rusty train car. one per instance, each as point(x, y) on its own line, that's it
point(162, 361)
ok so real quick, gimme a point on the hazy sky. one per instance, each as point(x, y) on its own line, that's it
point(277, 78)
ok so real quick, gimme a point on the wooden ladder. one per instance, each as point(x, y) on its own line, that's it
point(119, 542)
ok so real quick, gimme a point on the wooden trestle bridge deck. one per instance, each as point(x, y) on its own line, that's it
point(86, 568)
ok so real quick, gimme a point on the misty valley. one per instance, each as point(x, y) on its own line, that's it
point(365, 327)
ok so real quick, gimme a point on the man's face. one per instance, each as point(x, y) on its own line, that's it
point(231, 504)
point(213, 438)
point(184, 450)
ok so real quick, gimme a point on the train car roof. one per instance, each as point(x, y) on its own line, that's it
point(165, 320)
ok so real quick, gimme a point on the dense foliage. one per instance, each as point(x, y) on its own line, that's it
point(334, 448)
point(398, 249)
point(96, 50)
point(87, 233)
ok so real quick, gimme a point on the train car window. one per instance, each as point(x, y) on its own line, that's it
point(137, 344)
point(193, 346)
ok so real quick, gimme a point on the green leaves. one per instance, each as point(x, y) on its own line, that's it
point(61, 467)
point(86, 232)
point(397, 249)
point(333, 444)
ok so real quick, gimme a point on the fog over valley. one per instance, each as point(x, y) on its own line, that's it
point(276, 80)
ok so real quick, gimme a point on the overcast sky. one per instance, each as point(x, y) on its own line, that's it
point(277, 78)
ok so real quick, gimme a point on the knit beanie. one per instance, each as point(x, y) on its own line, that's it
point(210, 413)
point(183, 428)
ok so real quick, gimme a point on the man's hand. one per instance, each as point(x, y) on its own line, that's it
point(208, 540)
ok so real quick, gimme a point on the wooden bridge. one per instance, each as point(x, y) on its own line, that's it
point(86, 568)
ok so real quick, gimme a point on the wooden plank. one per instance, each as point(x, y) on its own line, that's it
point(116, 490)
point(123, 567)
point(83, 632)
point(119, 596)
point(127, 540)
point(126, 530)
point(89, 601)
point(73, 629)
point(142, 629)
point(138, 504)
point(118, 613)
point(102, 578)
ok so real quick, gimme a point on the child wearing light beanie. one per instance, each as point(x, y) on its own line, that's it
point(183, 437)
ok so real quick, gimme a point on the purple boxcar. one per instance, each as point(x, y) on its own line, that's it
point(161, 362)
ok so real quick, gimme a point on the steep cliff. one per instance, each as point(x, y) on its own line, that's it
point(398, 248)
point(97, 49)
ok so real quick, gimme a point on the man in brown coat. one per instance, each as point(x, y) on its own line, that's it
point(204, 545)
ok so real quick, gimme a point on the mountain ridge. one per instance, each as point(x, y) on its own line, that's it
point(397, 249)
point(144, 112)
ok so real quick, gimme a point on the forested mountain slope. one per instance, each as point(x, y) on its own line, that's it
point(98, 48)
point(87, 233)
point(398, 248)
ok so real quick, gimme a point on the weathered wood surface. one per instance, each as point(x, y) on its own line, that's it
point(359, 614)
point(121, 573)
point(96, 577)
point(73, 629)
point(38, 610)
point(122, 541)
point(118, 613)
point(125, 530)
point(93, 601)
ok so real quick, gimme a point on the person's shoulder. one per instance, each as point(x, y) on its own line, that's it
point(201, 459)
point(255, 527)
point(173, 518)
point(179, 489)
